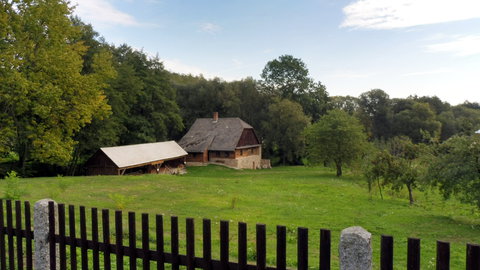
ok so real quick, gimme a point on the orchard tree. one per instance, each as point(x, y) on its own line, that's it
point(44, 96)
point(283, 129)
point(456, 169)
point(337, 137)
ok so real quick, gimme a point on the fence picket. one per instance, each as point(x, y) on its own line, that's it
point(160, 242)
point(145, 242)
point(261, 247)
point(281, 247)
point(95, 245)
point(190, 229)
point(386, 252)
point(83, 238)
point(242, 246)
point(119, 239)
point(51, 235)
point(413, 254)
point(207, 244)
point(107, 265)
point(224, 245)
point(18, 234)
point(11, 254)
point(28, 230)
point(73, 245)
point(325, 249)
point(473, 257)
point(302, 249)
point(132, 240)
point(61, 232)
point(3, 255)
point(174, 242)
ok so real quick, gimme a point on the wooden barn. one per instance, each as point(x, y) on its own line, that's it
point(226, 141)
point(152, 158)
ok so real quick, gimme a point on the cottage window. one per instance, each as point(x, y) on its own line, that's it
point(241, 152)
point(226, 154)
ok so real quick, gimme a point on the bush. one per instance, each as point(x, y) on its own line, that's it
point(13, 190)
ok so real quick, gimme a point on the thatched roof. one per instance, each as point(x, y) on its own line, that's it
point(220, 135)
point(136, 154)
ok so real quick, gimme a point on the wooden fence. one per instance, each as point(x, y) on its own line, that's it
point(63, 245)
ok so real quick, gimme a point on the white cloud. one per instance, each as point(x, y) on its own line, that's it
point(389, 14)
point(459, 46)
point(177, 66)
point(210, 28)
point(102, 13)
point(428, 72)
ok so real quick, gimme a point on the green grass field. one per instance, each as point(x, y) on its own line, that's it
point(309, 197)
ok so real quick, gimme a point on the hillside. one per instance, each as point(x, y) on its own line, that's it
point(292, 196)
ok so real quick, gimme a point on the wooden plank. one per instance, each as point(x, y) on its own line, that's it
point(386, 252)
point(73, 246)
point(443, 255)
point(190, 232)
point(159, 242)
point(473, 257)
point(413, 256)
point(281, 247)
point(325, 249)
point(207, 244)
point(107, 264)
point(119, 239)
point(51, 235)
point(96, 245)
point(242, 246)
point(261, 247)
point(132, 240)
point(18, 235)
point(61, 232)
point(3, 254)
point(224, 245)
point(11, 252)
point(145, 242)
point(174, 242)
point(302, 249)
point(29, 240)
point(83, 238)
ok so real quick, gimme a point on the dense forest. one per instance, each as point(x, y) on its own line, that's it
point(65, 92)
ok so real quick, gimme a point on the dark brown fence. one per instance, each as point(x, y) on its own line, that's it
point(97, 250)
point(12, 249)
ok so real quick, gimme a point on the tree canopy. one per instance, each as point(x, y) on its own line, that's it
point(337, 137)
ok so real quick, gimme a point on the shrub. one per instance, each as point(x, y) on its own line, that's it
point(13, 190)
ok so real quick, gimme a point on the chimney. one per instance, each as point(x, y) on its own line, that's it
point(215, 116)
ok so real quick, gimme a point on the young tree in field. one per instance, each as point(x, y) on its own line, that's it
point(283, 129)
point(456, 169)
point(44, 95)
point(337, 137)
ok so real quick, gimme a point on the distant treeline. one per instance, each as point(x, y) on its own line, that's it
point(65, 92)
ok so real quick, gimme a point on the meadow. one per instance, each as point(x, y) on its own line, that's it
point(309, 197)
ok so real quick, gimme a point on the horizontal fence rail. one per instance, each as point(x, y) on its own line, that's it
point(72, 247)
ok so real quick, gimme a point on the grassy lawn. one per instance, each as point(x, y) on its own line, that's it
point(291, 196)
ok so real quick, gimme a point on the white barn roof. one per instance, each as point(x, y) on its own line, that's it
point(136, 154)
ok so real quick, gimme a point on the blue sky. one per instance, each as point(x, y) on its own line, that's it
point(405, 47)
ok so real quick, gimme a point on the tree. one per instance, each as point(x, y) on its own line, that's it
point(456, 169)
point(417, 122)
point(288, 77)
point(337, 137)
point(375, 113)
point(283, 129)
point(46, 99)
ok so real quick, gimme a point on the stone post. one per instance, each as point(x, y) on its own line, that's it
point(355, 249)
point(41, 259)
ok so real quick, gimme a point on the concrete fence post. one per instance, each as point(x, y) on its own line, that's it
point(41, 259)
point(355, 249)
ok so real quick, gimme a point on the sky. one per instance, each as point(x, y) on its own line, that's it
point(404, 47)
